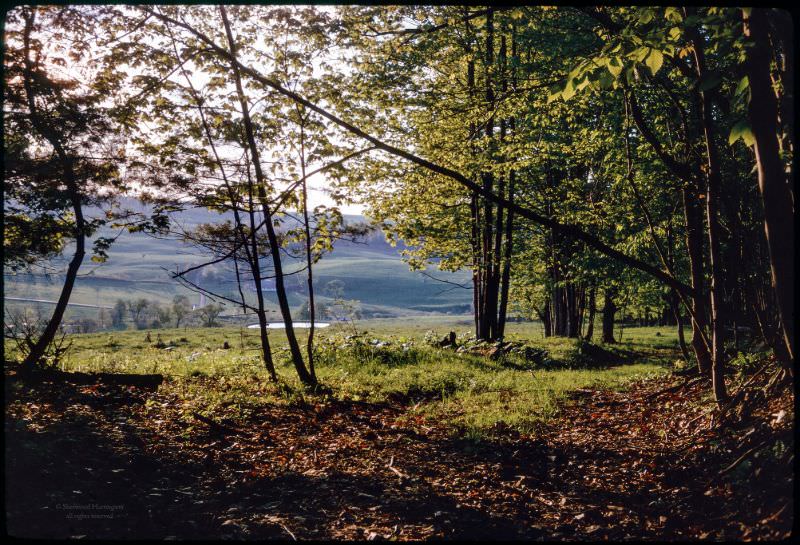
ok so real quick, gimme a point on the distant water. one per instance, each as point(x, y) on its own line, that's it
point(299, 325)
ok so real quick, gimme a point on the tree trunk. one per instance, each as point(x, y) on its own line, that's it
point(609, 309)
point(40, 347)
point(772, 180)
point(592, 310)
point(509, 247)
point(309, 260)
point(694, 246)
point(676, 312)
point(280, 288)
point(250, 246)
point(714, 234)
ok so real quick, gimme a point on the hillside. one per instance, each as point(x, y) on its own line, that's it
point(371, 270)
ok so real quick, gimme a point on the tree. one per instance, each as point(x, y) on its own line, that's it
point(209, 314)
point(221, 116)
point(137, 309)
point(769, 123)
point(60, 149)
point(181, 307)
point(118, 314)
point(163, 315)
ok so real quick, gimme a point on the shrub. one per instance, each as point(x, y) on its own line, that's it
point(747, 362)
point(587, 355)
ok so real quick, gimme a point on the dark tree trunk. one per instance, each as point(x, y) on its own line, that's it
point(309, 257)
point(509, 248)
point(609, 309)
point(280, 287)
point(489, 309)
point(39, 348)
point(592, 310)
point(676, 312)
point(694, 246)
point(714, 233)
point(250, 245)
point(776, 190)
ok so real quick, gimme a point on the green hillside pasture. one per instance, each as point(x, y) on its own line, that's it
point(380, 281)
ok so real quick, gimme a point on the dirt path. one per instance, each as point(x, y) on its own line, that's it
point(110, 461)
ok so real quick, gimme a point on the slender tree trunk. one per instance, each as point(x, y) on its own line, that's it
point(772, 180)
point(39, 348)
point(694, 246)
point(609, 309)
point(714, 234)
point(475, 233)
point(477, 290)
point(509, 248)
point(255, 269)
point(309, 260)
point(592, 310)
point(509, 234)
point(280, 287)
point(676, 312)
point(250, 246)
point(489, 311)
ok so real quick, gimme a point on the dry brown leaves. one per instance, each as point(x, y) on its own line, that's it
point(612, 466)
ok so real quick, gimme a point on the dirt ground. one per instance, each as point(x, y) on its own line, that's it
point(110, 461)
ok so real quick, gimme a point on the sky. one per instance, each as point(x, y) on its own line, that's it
point(318, 184)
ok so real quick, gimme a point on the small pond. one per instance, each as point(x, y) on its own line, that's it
point(298, 325)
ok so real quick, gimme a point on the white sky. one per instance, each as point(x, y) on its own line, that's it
point(318, 184)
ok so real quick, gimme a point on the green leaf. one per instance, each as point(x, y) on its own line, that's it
point(639, 54)
point(614, 66)
point(569, 90)
point(654, 61)
point(553, 93)
point(744, 83)
point(606, 80)
point(673, 15)
point(742, 130)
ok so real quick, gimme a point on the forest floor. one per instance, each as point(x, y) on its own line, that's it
point(110, 461)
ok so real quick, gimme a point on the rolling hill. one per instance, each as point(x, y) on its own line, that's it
point(371, 270)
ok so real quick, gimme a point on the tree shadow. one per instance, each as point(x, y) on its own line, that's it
point(68, 475)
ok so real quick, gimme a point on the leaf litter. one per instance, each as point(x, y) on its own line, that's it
point(109, 461)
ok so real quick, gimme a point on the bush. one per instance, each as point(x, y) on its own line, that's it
point(587, 355)
point(746, 363)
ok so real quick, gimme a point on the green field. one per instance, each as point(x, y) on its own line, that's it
point(472, 392)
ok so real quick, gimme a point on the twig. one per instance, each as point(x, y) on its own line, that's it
point(744, 456)
point(395, 470)
point(288, 531)
point(750, 380)
point(214, 425)
point(674, 388)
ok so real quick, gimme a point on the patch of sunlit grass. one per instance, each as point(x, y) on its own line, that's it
point(472, 393)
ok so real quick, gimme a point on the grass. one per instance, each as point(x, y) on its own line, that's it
point(473, 393)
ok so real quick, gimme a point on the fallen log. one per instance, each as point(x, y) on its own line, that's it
point(146, 381)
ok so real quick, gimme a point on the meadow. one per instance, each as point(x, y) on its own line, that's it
point(380, 360)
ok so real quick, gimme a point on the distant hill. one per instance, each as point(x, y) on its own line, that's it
point(371, 270)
